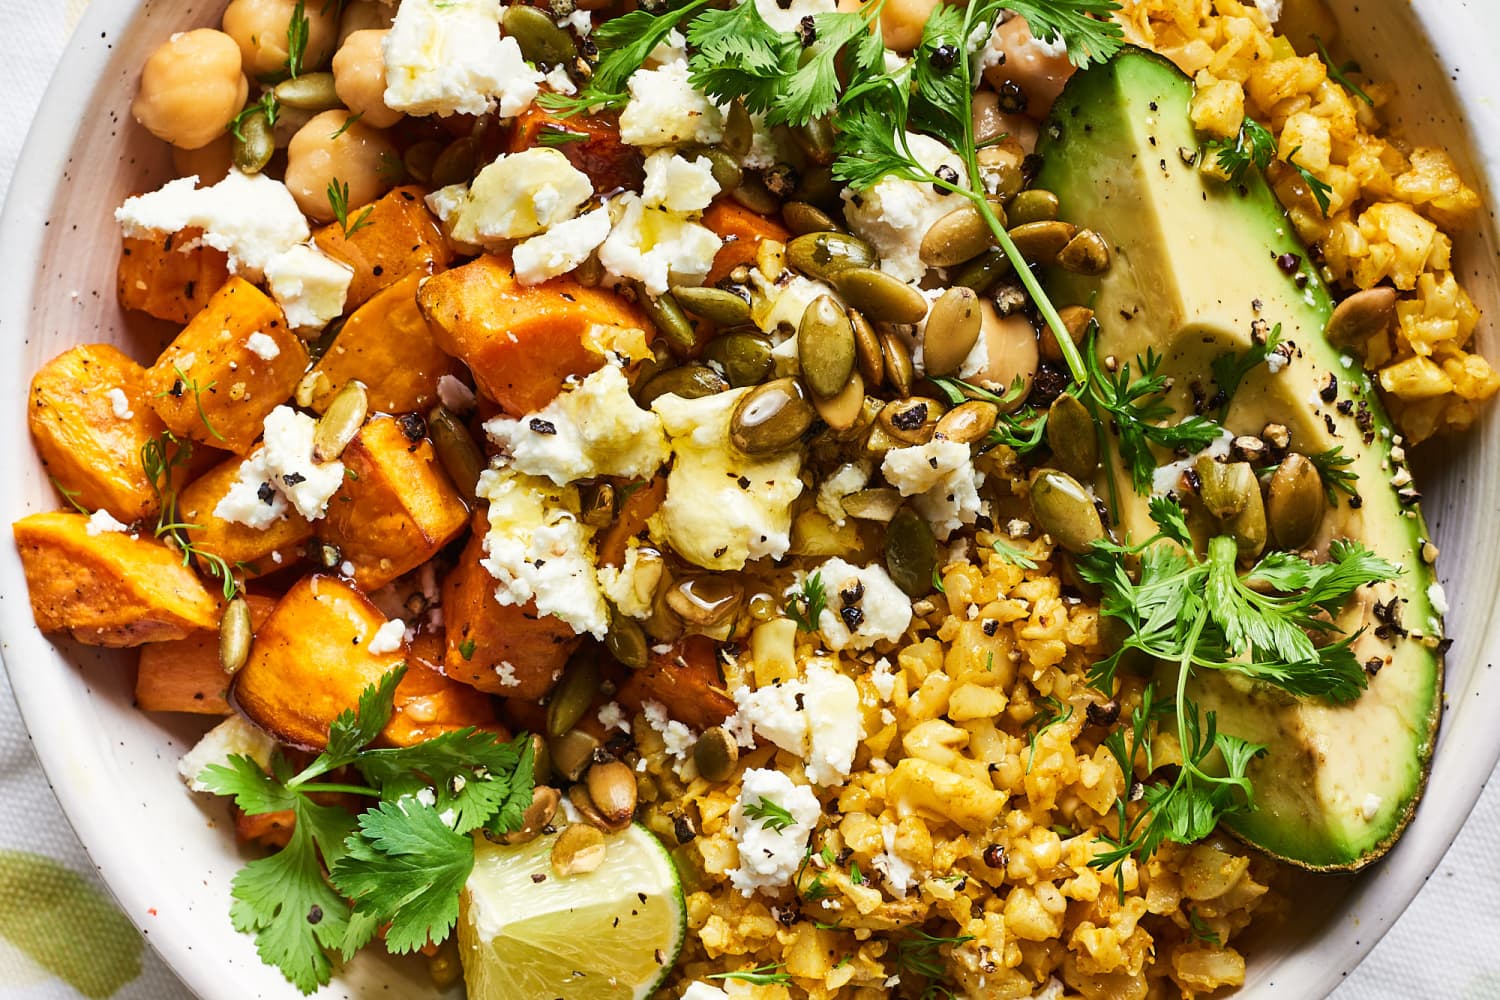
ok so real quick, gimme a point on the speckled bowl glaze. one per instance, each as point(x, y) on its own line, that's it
point(169, 856)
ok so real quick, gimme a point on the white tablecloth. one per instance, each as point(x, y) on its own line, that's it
point(60, 939)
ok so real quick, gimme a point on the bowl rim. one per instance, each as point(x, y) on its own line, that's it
point(1461, 766)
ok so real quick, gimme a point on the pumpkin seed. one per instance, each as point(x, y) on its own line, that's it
point(824, 254)
point(771, 417)
point(952, 330)
point(725, 167)
point(739, 131)
point(308, 92)
point(613, 791)
point(911, 552)
point(912, 420)
point(456, 451)
point(578, 795)
point(1248, 527)
point(457, 163)
point(1001, 167)
point(1361, 316)
point(597, 504)
point(572, 753)
point(1065, 510)
point(879, 503)
point(688, 381)
point(770, 258)
point(753, 194)
point(968, 422)
point(540, 40)
point(817, 185)
point(571, 698)
point(254, 151)
point(311, 386)
point(668, 318)
point(235, 634)
point(815, 139)
point(1034, 205)
point(960, 235)
point(842, 411)
point(867, 355)
point(1076, 320)
point(544, 802)
point(420, 158)
point(745, 357)
point(541, 760)
point(1072, 437)
point(1225, 487)
point(879, 296)
point(984, 272)
point(716, 753)
point(705, 600)
point(1041, 242)
point(580, 848)
point(445, 967)
point(341, 421)
point(1086, 253)
point(897, 359)
point(722, 307)
point(1295, 502)
point(825, 347)
point(802, 218)
point(626, 641)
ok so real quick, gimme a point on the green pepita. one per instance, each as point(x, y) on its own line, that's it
point(574, 693)
point(668, 318)
point(341, 421)
point(953, 326)
point(572, 753)
point(1295, 503)
point(881, 297)
point(1034, 205)
point(725, 167)
point(722, 307)
point(457, 163)
point(596, 504)
point(803, 218)
point(716, 753)
point(1225, 487)
point(459, 456)
point(867, 353)
point(897, 360)
point(753, 194)
point(626, 641)
point(912, 420)
point(968, 422)
point(815, 139)
point(310, 387)
point(705, 600)
point(1041, 242)
point(540, 40)
point(842, 411)
point(771, 417)
point(1086, 253)
point(745, 357)
point(878, 503)
point(911, 552)
point(1248, 527)
point(959, 236)
point(739, 131)
point(1065, 510)
point(544, 802)
point(1076, 320)
point(1072, 436)
point(420, 158)
point(236, 631)
point(984, 272)
point(825, 347)
point(824, 254)
point(254, 151)
point(688, 381)
point(308, 92)
point(817, 185)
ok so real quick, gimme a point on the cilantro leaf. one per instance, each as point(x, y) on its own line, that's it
point(740, 55)
point(1085, 26)
point(482, 780)
point(806, 606)
point(1340, 74)
point(1319, 188)
point(1253, 145)
point(1230, 368)
point(253, 790)
point(625, 43)
point(354, 729)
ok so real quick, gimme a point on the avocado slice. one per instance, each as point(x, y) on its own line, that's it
point(1195, 269)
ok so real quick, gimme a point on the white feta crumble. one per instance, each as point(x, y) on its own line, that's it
point(786, 17)
point(1276, 361)
point(282, 471)
point(942, 477)
point(770, 857)
point(665, 109)
point(722, 508)
point(678, 184)
point(676, 737)
point(581, 21)
point(1370, 807)
point(101, 521)
point(631, 586)
point(612, 716)
point(262, 346)
point(250, 217)
point(561, 248)
point(426, 796)
point(766, 148)
point(232, 736)
point(120, 404)
point(656, 247)
point(538, 550)
point(816, 717)
point(897, 870)
point(558, 81)
point(895, 214)
point(505, 673)
point(847, 479)
point(864, 606)
point(455, 396)
point(883, 678)
point(446, 57)
point(590, 429)
point(387, 638)
point(1437, 597)
point(309, 285)
point(521, 194)
point(1168, 478)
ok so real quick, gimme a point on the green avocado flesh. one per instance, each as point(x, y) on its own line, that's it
point(1195, 267)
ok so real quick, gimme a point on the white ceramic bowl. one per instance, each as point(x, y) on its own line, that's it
point(169, 857)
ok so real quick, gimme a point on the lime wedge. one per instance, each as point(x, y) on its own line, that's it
point(526, 933)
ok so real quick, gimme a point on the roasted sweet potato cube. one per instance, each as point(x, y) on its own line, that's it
point(686, 680)
point(522, 341)
point(614, 541)
point(255, 551)
point(213, 384)
point(742, 231)
point(89, 419)
point(399, 238)
point(507, 649)
point(387, 345)
point(272, 830)
point(429, 704)
point(159, 278)
point(108, 588)
point(184, 675)
point(597, 150)
point(396, 508)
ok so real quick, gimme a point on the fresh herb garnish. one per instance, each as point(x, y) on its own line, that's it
point(185, 384)
point(298, 29)
point(770, 815)
point(805, 606)
point(770, 974)
point(466, 649)
point(1333, 467)
point(1230, 368)
point(348, 121)
point(624, 45)
point(1055, 716)
point(69, 495)
point(1319, 188)
point(1200, 929)
point(551, 135)
point(1252, 145)
point(161, 457)
point(1023, 431)
point(1013, 555)
point(1340, 74)
point(338, 200)
point(401, 862)
point(919, 954)
point(268, 105)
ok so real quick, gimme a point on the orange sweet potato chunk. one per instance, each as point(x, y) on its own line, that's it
point(396, 507)
point(631, 521)
point(161, 280)
point(686, 680)
point(208, 385)
point(429, 704)
point(742, 231)
point(399, 238)
point(521, 342)
point(387, 345)
point(609, 162)
point(87, 445)
point(184, 675)
point(255, 551)
point(108, 588)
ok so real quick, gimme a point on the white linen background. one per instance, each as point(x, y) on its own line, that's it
point(1446, 945)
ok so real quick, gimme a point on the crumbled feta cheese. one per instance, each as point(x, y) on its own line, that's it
point(1276, 361)
point(849, 478)
point(310, 287)
point(388, 637)
point(539, 550)
point(250, 217)
point(883, 678)
point(282, 471)
point(678, 184)
point(816, 717)
point(864, 606)
point(656, 247)
point(1168, 477)
point(1437, 597)
point(558, 81)
point(895, 214)
point(447, 57)
point(676, 737)
point(505, 672)
point(612, 716)
point(455, 396)
point(1370, 807)
point(766, 147)
point(722, 508)
point(120, 404)
point(977, 360)
point(787, 17)
point(447, 202)
point(232, 736)
point(101, 521)
point(897, 870)
point(262, 346)
point(561, 248)
point(942, 478)
point(665, 109)
point(631, 587)
point(520, 195)
point(590, 429)
point(580, 21)
point(770, 857)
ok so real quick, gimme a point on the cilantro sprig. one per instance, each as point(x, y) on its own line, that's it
point(806, 606)
point(1339, 74)
point(399, 864)
point(1230, 368)
point(1254, 145)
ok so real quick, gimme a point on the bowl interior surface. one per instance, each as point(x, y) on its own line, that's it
point(169, 856)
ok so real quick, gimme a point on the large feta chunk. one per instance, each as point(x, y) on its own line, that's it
point(665, 109)
point(446, 57)
point(309, 285)
point(942, 477)
point(722, 508)
point(816, 717)
point(538, 550)
point(234, 736)
point(250, 217)
point(678, 184)
point(281, 472)
point(656, 247)
point(590, 429)
point(770, 854)
point(520, 195)
point(864, 606)
point(561, 248)
point(895, 214)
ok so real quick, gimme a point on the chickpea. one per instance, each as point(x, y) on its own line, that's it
point(191, 87)
point(365, 15)
point(1038, 74)
point(1013, 353)
point(901, 21)
point(316, 158)
point(359, 78)
point(210, 164)
point(259, 27)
